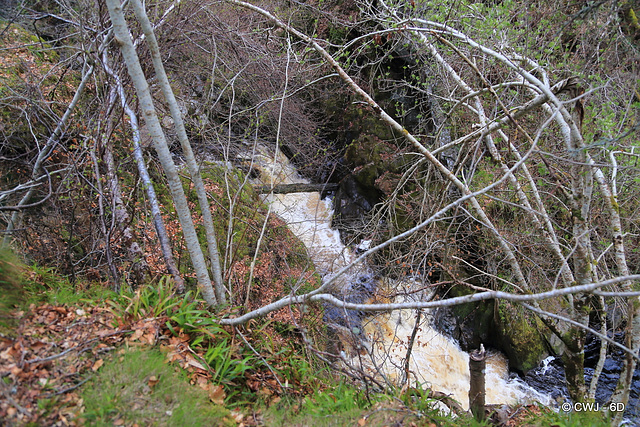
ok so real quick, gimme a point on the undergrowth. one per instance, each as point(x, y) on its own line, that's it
point(138, 386)
point(198, 372)
point(11, 294)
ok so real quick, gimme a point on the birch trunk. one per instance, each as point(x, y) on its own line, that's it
point(160, 144)
point(161, 230)
point(194, 169)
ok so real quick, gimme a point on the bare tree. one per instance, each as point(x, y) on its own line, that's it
point(194, 170)
point(175, 184)
point(574, 257)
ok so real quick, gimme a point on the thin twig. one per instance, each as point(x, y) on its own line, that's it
point(69, 350)
point(407, 358)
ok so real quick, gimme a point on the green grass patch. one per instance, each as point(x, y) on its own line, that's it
point(140, 387)
point(11, 289)
point(335, 406)
point(547, 417)
point(46, 285)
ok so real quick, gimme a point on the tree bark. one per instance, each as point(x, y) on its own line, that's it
point(194, 169)
point(161, 230)
point(295, 188)
point(164, 155)
point(477, 393)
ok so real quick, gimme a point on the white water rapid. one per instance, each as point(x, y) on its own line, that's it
point(436, 360)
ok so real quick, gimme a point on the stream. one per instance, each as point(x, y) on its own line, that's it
point(377, 344)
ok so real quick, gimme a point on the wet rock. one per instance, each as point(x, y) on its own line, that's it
point(549, 378)
point(350, 319)
point(361, 288)
point(469, 324)
point(352, 202)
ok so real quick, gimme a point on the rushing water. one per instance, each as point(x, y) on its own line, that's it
point(436, 360)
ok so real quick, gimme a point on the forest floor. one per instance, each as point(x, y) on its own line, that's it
point(87, 364)
point(57, 349)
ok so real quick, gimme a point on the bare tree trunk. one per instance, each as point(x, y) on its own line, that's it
point(106, 231)
point(164, 155)
point(194, 169)
point(161, 230)
point(591, 394)
point(477, 365)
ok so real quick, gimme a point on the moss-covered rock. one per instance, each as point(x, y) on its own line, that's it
point(520, 337)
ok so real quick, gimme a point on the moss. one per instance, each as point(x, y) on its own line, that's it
point(140, 387)
point(12, 293)
point(520, 337)
point(29, 72)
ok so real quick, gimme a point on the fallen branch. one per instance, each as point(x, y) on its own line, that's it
point(295, 188)
point(69, 350)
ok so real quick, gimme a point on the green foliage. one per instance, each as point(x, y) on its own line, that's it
point(186, 314)
point(45, 284)
point(148, 301)
point(339, 404)
point(546, 417)
point(140, 387)
point(338, 399)
point(11, 288)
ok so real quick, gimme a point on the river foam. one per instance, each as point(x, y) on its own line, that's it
point(436, 360)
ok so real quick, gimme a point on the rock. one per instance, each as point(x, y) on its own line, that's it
point(519, 336)
point(352, 202)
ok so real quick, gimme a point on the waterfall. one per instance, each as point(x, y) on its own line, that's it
point(436, 360)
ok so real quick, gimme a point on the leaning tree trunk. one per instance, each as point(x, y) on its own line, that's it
point(160, 144)
point(161, 230)
point(45, 152)
point(194, 169)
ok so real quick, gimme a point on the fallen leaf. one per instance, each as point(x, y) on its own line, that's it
point(36, 346)
point(237, 416)
point(217, 395)
point(192, 362)
point(136, 335)
point(265, 391)
point(153, 380)
point(97, 365)
point(362, 421)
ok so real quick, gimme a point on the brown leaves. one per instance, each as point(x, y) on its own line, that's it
point(97, 365)
point(216, 393)
point(152, 381)
point(55, 347)
point(147, 331)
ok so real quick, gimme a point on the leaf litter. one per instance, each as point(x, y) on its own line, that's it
point(56, 349)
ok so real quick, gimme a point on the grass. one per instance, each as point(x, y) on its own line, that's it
point(11, 292)
point(45, 285)
point(571, 419)
point(138, 386)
